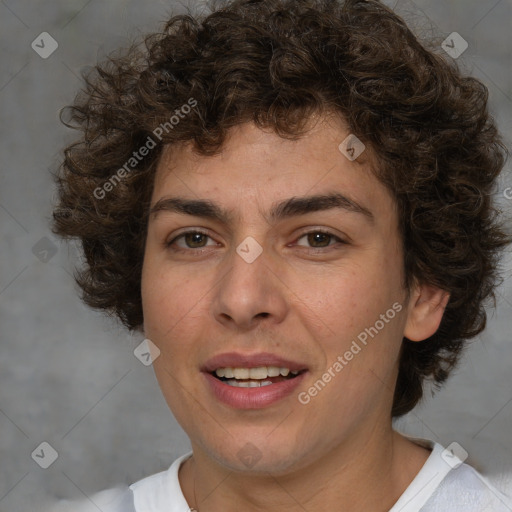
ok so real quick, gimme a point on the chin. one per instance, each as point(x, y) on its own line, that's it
point(259, 455)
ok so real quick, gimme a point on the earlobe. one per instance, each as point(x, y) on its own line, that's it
point(426, 308)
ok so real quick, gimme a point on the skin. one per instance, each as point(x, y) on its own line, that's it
point(317, 295)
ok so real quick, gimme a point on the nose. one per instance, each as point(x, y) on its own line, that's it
point(250, 293)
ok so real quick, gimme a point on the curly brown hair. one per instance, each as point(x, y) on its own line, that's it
point(276, 63)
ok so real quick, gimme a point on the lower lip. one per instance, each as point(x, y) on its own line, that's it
point(252, 398)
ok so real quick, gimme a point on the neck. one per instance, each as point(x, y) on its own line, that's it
point(366, 473)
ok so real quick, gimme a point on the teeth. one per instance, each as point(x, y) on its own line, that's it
point(228, 373)
point(248, 383)
point(272, 371)
point(241, 373)
point(259, 373)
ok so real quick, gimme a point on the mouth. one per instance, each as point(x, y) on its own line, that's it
point(260, 376)
point(252, 381)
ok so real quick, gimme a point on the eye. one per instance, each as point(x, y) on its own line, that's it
point(320, 239)
point(192, 239)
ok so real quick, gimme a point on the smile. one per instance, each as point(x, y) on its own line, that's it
point(254, 377)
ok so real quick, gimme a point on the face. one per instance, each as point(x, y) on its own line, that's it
point(261, 277)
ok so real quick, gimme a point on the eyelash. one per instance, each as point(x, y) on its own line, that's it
point(200, 250)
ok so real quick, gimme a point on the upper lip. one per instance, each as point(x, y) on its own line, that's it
point(239, 360)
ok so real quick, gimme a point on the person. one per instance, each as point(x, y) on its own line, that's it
point(291, 201)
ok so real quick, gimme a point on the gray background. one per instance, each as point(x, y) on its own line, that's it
point(68, 376)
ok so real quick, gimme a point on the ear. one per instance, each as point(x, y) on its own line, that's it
point(426, 308)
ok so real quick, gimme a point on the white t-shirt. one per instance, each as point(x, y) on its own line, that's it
point(443, 484)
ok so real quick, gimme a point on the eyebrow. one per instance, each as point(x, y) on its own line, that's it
point(291, 207)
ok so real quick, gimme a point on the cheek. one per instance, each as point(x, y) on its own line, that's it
point(167, 299)
point(367, 343)
point(172, 309)
point(355, 303)
point(347, 298)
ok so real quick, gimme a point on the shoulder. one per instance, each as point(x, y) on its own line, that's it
point(160, 491)
point(446, 484)
point(119, 499)
point(465, 489)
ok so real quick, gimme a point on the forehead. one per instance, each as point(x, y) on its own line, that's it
point(258, 167)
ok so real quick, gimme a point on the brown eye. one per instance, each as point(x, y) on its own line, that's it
point(191, 239)
point(320, 239)
point(194, 240)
